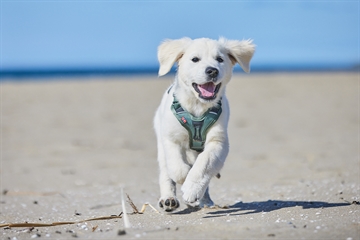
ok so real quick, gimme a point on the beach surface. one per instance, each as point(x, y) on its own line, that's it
point(68, 147)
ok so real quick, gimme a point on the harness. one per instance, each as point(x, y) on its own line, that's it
point(197, 127)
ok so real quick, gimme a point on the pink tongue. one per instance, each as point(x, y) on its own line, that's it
point(207, 89)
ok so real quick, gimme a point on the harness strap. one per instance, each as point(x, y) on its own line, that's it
point(197, 127)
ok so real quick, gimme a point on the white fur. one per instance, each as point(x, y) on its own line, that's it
point(177, 162)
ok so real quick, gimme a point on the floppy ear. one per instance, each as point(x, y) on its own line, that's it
point(169, 52)
point(240, 52)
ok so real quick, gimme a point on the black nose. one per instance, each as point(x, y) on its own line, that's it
point(212, 72)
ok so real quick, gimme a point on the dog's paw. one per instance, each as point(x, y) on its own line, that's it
point(192, 193)
point(169, 204)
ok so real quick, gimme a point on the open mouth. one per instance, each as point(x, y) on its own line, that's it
point(207, 91)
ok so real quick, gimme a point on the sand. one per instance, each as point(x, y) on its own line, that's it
point(68, 146)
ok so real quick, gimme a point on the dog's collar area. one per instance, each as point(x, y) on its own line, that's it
point(197, 127)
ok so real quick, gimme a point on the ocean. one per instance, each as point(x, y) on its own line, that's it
point(41, 73)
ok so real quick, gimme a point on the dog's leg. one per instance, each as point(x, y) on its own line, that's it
point(207, 165)
point(172, 170)
point(176, 163)
point(168, 200)
point(206, 201)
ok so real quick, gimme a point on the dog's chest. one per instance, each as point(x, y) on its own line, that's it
point(197, 127)
point(179, 134)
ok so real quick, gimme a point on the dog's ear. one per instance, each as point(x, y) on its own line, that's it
point(240, 52)
point(169, 52)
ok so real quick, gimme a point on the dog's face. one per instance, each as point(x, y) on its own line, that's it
point(204, 65)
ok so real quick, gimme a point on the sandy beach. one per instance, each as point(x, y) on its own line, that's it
point(69, 145)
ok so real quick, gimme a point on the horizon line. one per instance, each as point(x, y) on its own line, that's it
point(21, 73)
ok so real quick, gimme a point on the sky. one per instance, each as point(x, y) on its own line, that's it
point(110, 34)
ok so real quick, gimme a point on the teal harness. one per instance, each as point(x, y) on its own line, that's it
point(197, 127)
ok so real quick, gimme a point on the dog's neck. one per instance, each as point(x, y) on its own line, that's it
point(191, 103)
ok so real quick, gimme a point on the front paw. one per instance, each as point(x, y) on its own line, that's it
point(169, 204)
point(192, 193)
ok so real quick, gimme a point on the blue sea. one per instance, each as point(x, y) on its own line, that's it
point(42, 73)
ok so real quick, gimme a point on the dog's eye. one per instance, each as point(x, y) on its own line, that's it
point(219, 59)
point(195, 59)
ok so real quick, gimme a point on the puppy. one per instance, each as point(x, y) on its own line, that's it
point(192, 119)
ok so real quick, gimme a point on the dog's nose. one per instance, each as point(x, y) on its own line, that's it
point(211, 72)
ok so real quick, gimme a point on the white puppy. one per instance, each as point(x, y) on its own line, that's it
point(191, 121)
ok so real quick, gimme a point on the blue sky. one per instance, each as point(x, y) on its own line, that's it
point(78, 34)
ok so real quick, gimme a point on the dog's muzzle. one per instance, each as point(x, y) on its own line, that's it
point(207, 91)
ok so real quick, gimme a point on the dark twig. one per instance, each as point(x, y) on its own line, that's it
point(135, 210)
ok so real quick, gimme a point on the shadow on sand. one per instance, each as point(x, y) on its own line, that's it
point(242, 208)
